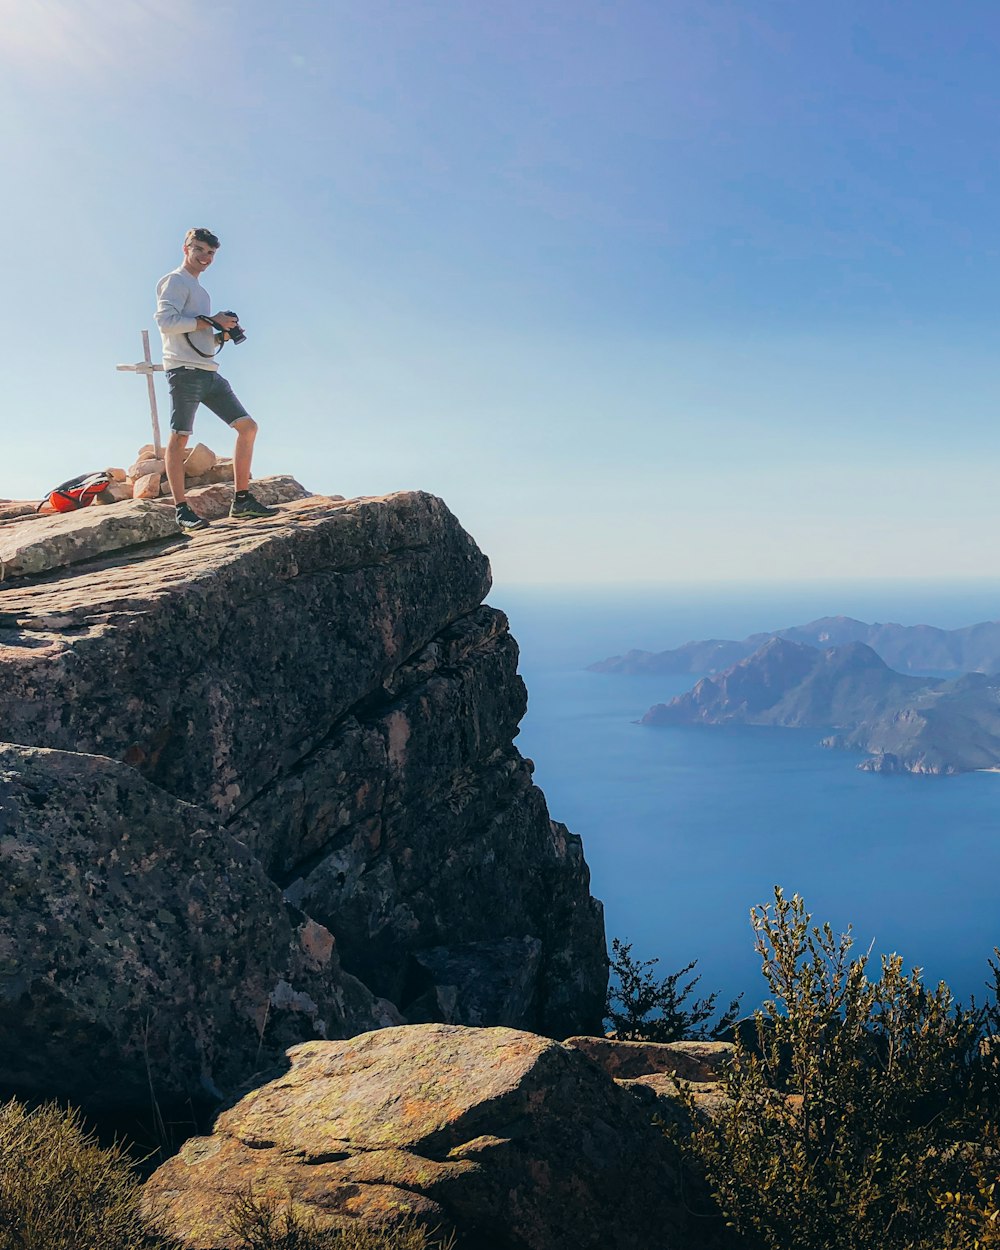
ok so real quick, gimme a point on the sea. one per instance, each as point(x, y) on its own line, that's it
point(686, 829)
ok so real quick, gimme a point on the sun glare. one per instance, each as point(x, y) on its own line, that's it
point(86, 36)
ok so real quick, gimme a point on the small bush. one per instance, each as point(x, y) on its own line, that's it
point(639, 1008)
point(60, 1190)
point(866, 1114)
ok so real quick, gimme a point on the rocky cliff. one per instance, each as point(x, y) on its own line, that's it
point(260, 787)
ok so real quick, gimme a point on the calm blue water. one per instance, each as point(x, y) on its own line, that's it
point(686, 829)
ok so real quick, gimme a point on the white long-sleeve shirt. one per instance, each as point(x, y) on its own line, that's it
point(180, 301)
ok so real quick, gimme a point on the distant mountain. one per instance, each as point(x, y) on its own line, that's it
point(906, 648)
point(908, 724)
point(789, 683)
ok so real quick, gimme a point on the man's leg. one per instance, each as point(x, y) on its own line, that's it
point(173, 460)
point(246, 433)
point(245, 504)
point(185, 389)
point(220, 398)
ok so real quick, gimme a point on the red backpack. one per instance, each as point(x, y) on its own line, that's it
point(78, 492)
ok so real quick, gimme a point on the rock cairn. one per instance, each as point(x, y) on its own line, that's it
point(147, 477)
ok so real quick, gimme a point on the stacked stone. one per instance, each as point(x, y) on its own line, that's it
point(147, 478)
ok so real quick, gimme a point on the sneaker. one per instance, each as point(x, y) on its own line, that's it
point(248, 506)
point(188, 519)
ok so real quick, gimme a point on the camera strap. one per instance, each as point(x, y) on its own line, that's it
point(208, 355)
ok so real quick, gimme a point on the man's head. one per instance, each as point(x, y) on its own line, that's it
point(200, 246)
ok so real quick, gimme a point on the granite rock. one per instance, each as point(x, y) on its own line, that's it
point(213, 502)
point(407, 832)
point(689, 1060)
point(198, 460)
point(17, 510)
point(515, 1141)
point(680, 1082)
point(73, 537)
point(327, 683)
point(254, 638)
point(143, 468)
point(147, 486)
point(141, 945)
point(116, 492)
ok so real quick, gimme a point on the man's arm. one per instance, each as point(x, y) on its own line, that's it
point(172, 296)
point(170, 301)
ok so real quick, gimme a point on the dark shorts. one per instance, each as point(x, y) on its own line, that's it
point(191, 387)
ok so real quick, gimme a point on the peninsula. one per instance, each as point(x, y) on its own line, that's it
point(905, 723)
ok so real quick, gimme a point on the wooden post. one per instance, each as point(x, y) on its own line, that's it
point(147, 367)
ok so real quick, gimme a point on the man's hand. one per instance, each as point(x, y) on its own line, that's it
point(224, 319)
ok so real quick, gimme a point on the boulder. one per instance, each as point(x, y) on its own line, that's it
point(116, 475)
point(143, 467)
point(514, 1141)
point(213, 502)
point(147, 487)
point(198, 460)
point(17, 509)
point(71, 537)
point(682, 1103)
point(141, 945)
point(673, 1079)
point(221, 471)
point(117, 492)
point(689, 1060)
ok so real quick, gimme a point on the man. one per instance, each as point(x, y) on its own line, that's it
point(190, 344)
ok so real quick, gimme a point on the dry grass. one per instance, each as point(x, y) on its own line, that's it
point(61, 1190)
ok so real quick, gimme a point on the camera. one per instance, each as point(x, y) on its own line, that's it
point(237, 334)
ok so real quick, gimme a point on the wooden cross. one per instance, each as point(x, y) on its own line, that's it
point(148, 368)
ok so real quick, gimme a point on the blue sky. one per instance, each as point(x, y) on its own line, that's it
point(646, 291)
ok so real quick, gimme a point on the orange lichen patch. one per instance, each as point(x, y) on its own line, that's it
point(335, 1093)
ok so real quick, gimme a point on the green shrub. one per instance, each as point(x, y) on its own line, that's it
point(639, 1008)
point(860, 1107)
point(60, 1190)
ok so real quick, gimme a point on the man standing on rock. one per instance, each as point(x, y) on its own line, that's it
point(190, 345)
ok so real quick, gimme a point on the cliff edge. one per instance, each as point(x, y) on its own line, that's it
point(258, 786)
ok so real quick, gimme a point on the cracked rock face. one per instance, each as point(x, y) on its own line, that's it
point(518, 1142)
point(328, 691)
point(415, 834)
point(141, 944)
